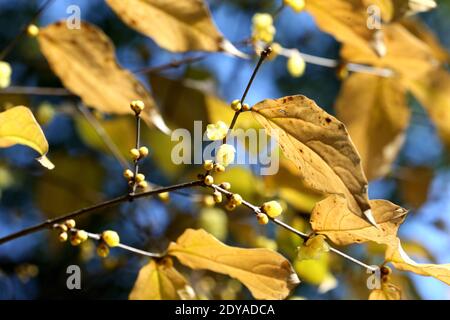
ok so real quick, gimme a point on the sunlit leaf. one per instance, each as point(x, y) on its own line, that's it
point(18, 126)
point(264, 272)
point(402, 261)
point(159, 280)
point(175, 25)
point(332, 218)
point(376, 114)
point(319, 146)
point(84, 60)
point(388, 291)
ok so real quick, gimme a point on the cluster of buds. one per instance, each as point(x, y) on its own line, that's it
point(234, 200)
point(108, 239)
point(237, 106)
point(262, 27)
point(137, 106)
point(138, 179)
point(271, 209)
point(209, 165)
point(313, 248)
point(64, 228)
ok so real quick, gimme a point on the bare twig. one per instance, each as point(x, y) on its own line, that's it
point(171, 65)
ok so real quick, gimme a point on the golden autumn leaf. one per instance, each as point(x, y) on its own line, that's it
point(376, 114)
point(18, 126)
point(159, 280)
point(267, 274)
point(320, 147)
point(388, 291)
point(174, 25)
point(332, 218)
point(406, 55)
point(401, 261)
point(346, 20)
point(433, 93)
point(85, 61)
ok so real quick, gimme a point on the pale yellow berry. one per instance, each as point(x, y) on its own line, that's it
point(236, 199)
point(236, 105)
point(70, 223)
point(296, 64)
point(137, 106)
point(219, 168)
point(128, 174)
point(32, 30)
point(225, 185)
point(140, 177)
point(208, 165)
point(74, 240)
point(245, 107)
point(143, 152)
point(262, 218)
point(216, 131)
point(143, 184)
point(209, 180)
point(272, 208)
point(111, 238)
point(5, 74)
point(217, 195)
point(262, 20)
point(63, 236)
point(135, 155)
point(230, 206)
point(62, 227)
point(208, 201)
point(225, 155)
point(296, 5)
point(102, 250)
point(164, 196)
point(262, 27)
point(82, 235)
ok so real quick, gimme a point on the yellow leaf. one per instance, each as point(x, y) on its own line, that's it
point(402, 261)
point(346, 20)
point(18, 126)
point(406, 55)
point(319, 146)
point(388, 291)
point(267, 274)
point(85, 61)
point(174, 25)
point(160, 281)
point(376, 113)
point(332, 218)
point(433, 92)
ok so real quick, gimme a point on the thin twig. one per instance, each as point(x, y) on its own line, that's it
point(23, 30)
point(170, 65)
point(103, 135)
point(39, 91)
point(75, 214)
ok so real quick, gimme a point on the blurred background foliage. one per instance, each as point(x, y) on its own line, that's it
point(86, 171)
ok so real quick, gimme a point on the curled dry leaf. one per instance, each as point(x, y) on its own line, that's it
point(401, 261)
point(267, 274)
point(433, 93)
point(175, 25)
point(18, 126)
point(84, 60)
point(376, 114)
point(159, 280)
point(332, 218)
point(320, 147)
point(388, 291)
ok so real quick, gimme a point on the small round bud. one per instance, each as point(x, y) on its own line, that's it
point(74, 240)
point(245, 107)
point(32, 30)
point(208, 201)
point(111, 238)
point(230, 206)
point(208, 165)
point(62, 227)
point(217, 196)
point(236, 105)
point(236, 199)
point(143, 184)
point(63, 236)
point(140, 177)
point(70, 223)
point(272, 208)
point(137, 106)
point(128, 174)
point(209, 180)
point(296, 64)
point(342, 71)
point(164, 196)
point(262, 218)
point(143, 151)
point(225, 185)
point(219, 168)
point(385, 270)
point(82, 235)
point(135, 154)
point(102, 250)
